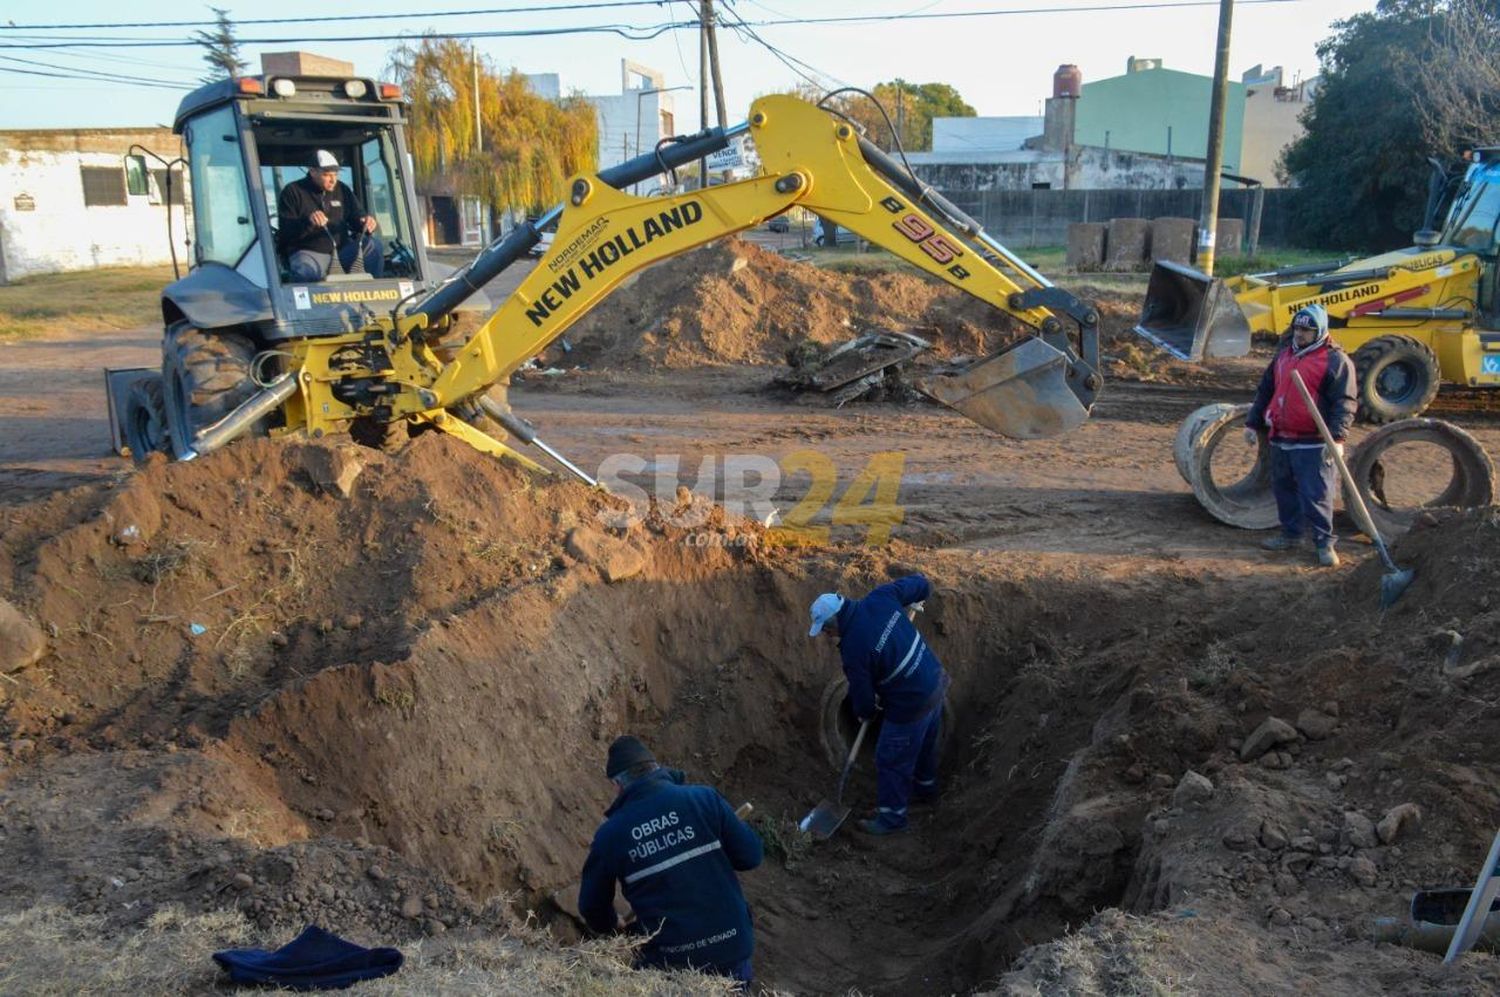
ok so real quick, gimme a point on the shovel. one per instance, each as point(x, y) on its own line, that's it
point(1395, 580)
point(828, 816)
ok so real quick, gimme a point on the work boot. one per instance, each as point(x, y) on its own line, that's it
point(1328, 557)
point(877, 828)
point(1281, 542)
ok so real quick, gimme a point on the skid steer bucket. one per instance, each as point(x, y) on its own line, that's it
point(1022, 392)
point(1191, 315)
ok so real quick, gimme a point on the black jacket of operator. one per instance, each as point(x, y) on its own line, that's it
point(294, 210)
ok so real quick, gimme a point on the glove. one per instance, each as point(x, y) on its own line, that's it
point(1252, 438)
point(1338, 448)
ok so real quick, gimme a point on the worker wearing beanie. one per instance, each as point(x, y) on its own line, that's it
point(674, 850)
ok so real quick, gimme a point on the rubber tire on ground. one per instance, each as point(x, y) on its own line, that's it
point(1405, 360)
point(205, 376)
point(1472, 484)
point(145, 419)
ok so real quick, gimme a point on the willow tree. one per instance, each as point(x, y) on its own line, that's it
point(526, 146)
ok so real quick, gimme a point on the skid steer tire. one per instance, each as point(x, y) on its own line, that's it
point(205, 376)
point(1397, 378)
point(145, 420)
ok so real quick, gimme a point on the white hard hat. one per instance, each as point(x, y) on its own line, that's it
point(324, 160)
point(824, 608)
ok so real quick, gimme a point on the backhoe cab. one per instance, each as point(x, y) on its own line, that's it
point(245, 140)
point(1410, 318)
point(249, 349)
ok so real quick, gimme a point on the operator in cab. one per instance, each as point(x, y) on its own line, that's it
point(1303, 476)
point(319, 217)
point(674, 849)
point(890, 668)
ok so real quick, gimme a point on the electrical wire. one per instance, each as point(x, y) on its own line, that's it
point(92, 79)
point(630, 32)
point(483, 11)
point(97, 73)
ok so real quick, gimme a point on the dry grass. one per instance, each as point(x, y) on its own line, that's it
point(48, 951)
point(106, 300)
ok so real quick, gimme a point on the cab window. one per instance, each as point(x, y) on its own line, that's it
point(221, 193)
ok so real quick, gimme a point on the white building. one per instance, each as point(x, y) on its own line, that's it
point(75, 199)
point(630, 122)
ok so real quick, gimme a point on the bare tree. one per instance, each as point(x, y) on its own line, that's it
point(1457, 82)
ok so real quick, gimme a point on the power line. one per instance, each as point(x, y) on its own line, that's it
point(630, 32)
point(633, 32)
point(97, 73)
point(484, 11)
point(743, 29)
point(93, 79)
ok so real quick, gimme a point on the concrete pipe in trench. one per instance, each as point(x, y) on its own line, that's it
point(837, 725)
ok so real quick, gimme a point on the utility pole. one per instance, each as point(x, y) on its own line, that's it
point(478, 127)
point(1215, 159)
point(713, 61)
point(703, 86)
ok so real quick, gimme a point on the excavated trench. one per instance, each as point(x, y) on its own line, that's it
point(480, 756)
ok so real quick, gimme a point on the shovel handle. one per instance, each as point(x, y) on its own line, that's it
point(859, 739)
point(1361, 512)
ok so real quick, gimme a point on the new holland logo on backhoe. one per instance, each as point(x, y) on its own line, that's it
point(608, 253)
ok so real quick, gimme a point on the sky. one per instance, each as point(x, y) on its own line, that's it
point(1002, 65)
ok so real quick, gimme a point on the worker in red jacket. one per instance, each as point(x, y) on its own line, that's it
point(1302, 472)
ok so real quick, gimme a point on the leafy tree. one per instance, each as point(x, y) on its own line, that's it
point(529, 145)
point(221, 50)
point(1361, 163)
point(910, 107)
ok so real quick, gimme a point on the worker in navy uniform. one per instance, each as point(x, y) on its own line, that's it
point(674, 850)
point(891, 670)
point(319, 216)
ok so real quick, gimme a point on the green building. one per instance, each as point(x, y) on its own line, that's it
point(1159, 111)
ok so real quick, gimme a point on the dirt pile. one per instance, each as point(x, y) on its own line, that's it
point(732, 302)
point(385, 710)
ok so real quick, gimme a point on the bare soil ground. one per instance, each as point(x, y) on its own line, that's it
point(267, 705)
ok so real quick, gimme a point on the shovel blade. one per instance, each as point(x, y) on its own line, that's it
point(1192, 315)
point(1392, 584)
point(824, 819)
point(1022, 392)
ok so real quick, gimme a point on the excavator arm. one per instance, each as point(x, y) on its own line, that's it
point(1042, 385)
point(812, 159)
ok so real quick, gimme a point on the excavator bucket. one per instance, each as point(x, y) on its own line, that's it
point(1191, 315)
point(1021, 392)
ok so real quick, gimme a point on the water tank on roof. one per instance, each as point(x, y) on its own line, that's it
point(1067, 81)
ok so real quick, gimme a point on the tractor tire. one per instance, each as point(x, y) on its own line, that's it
point(386, 437)
point(1397, 378)
point(145, 419)
point(205, 376)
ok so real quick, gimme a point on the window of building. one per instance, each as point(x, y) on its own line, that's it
point(667, 126)
point(103, 186)
point(178, 188)
point(135, 176)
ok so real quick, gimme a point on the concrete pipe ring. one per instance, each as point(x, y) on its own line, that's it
point(1187, 433)
point(837, 725)
point(1473, 474)
point(1246, 503)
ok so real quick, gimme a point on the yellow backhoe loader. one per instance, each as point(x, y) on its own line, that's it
point(1410, 319)
point(250, 348)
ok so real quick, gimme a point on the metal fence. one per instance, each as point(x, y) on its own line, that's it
point(1029, 218)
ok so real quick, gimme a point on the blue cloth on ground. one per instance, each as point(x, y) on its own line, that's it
point(314, 960)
